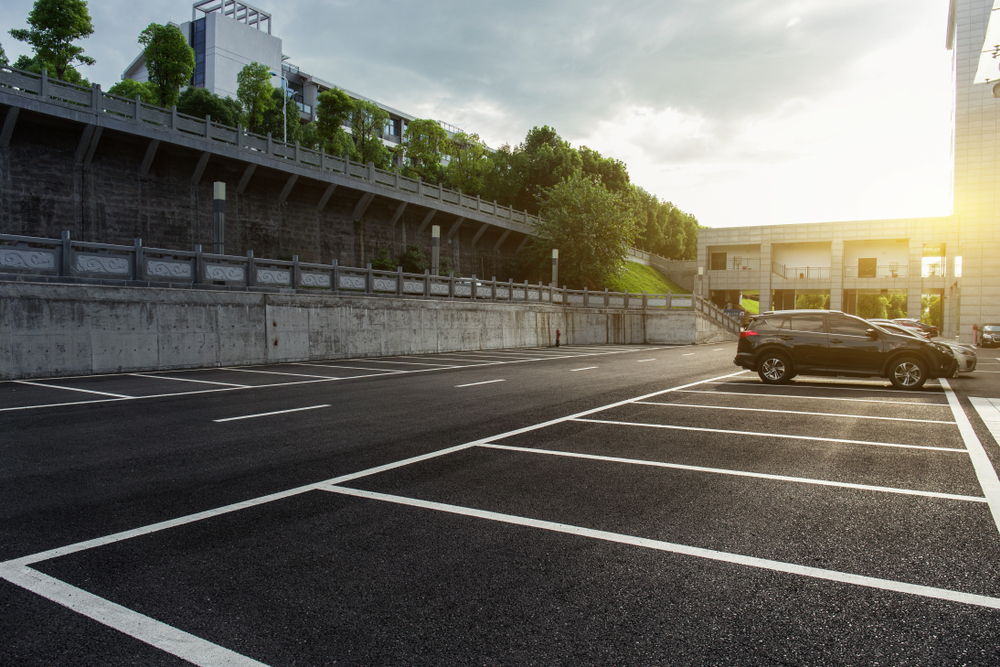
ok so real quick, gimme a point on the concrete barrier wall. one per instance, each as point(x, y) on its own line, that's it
point(55, 330)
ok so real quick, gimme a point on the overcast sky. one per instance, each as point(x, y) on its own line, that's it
point(738, 111)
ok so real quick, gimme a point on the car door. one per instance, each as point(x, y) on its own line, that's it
point(849, 348)
point(807, 339)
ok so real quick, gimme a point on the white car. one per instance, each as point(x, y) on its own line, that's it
point(966, 354)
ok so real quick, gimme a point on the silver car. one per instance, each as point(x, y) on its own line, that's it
point(966, 354)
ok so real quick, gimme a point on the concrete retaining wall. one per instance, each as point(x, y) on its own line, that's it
point(54, 330)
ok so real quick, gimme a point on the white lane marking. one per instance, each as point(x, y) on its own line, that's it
point(379, 371)
point(772, 435)
point(155, 633)
point(474, 384)
point(410, 363)
point(718, 349)
point(165, 377)
point(989, 412)
point(588, 368)
point(82, 391)
point(689, 354)
point(642, 361)
point(794, 412)
point(697, 552)
point(744, 473)
point(830, 385)
point(269, 414)
point(985, 471)
point(817, 398)
point(294, 375)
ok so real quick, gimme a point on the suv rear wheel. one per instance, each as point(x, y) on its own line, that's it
point(775, 368)
point(908, 373)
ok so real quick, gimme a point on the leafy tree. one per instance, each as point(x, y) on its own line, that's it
point(333, 109)
point(35, 65)
point(3, 56)
point(200, 102)
point(255, 94)
point(310, 136)
point(368, 121)
point(424, 144)
point(549, 159)
point(469, 165)
point(504, 178)
point(413, 259)
point(282, 121)
point(131, 88)
point(812, 301)
point(169, 60)
point(55, 25)
point(611, 172)
point(591, 227)
point(382, 261)
point(872, 305)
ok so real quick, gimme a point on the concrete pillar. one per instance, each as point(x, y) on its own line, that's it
point(837, 274)
point(765, 276)
point(555, 267)
point(219, 219)
point(914, 279)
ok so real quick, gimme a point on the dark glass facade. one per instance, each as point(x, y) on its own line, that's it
point(198, 44)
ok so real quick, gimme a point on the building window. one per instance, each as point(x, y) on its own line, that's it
point(198, 44)
point(718, 261)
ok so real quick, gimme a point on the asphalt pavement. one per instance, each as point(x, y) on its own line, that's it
point(553, 506)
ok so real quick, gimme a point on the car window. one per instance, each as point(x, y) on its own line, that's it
point(848, 326)
point(777, 322)
point(992, 328)
point(807, 322)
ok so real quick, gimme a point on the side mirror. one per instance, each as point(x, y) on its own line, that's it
point(872, 334)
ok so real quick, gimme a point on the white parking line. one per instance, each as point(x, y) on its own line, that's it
point(588, 368)
point(985, 471)
point(169, 639)
point(82, 391)
point(697, 552)
point(689, 354)
point(814, 398)
point(268, 414)
point(771, 435)
point(475, 384)
point(821, 387)
point(294, 375)
point(167, 377)
point(989, 412)
point(642, 361)
point(380, 371)
point(794, 412)
point(742, 473)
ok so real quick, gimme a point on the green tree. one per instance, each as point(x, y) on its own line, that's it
point(611, 172)
point(3, 56)
point(368, 122)
point(872, 306)
point(55, 25)
point(548, 159)
point(255, 94)
point(200, 102)
point(36, 65)
point(504, 179)
point(812, 301)
point(131, 88)
point(931, 309)
point(424, 144)
point(469, 164)
point(333, 110)
point(310, 136)
point(282, 121)
point(591, 227)
point(169, 60)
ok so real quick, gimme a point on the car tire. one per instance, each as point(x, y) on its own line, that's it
point(908, 373)
point(775, 368)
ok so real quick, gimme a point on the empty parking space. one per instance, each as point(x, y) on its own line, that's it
point(826, 492)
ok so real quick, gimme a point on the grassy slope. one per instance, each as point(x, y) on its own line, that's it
point(751, 306)
point(639, 278)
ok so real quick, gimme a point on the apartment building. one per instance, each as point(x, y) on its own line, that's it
point(956, 258)
point(227, 35)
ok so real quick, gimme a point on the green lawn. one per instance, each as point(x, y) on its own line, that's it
point(751, 306)
point(640, 278)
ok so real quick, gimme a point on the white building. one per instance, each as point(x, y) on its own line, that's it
point(227, 35)
point(956, 257)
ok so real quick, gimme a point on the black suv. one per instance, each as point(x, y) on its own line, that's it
point(781, 344)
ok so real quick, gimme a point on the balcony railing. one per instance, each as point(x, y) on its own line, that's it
point(801, 272)
point(887, 271)
point(738, 264)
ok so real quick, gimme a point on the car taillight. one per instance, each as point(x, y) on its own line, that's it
point(747, 334)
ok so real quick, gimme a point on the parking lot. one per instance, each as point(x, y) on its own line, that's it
point(629, 505)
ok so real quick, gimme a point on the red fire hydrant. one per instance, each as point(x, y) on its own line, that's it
point(557, 337)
